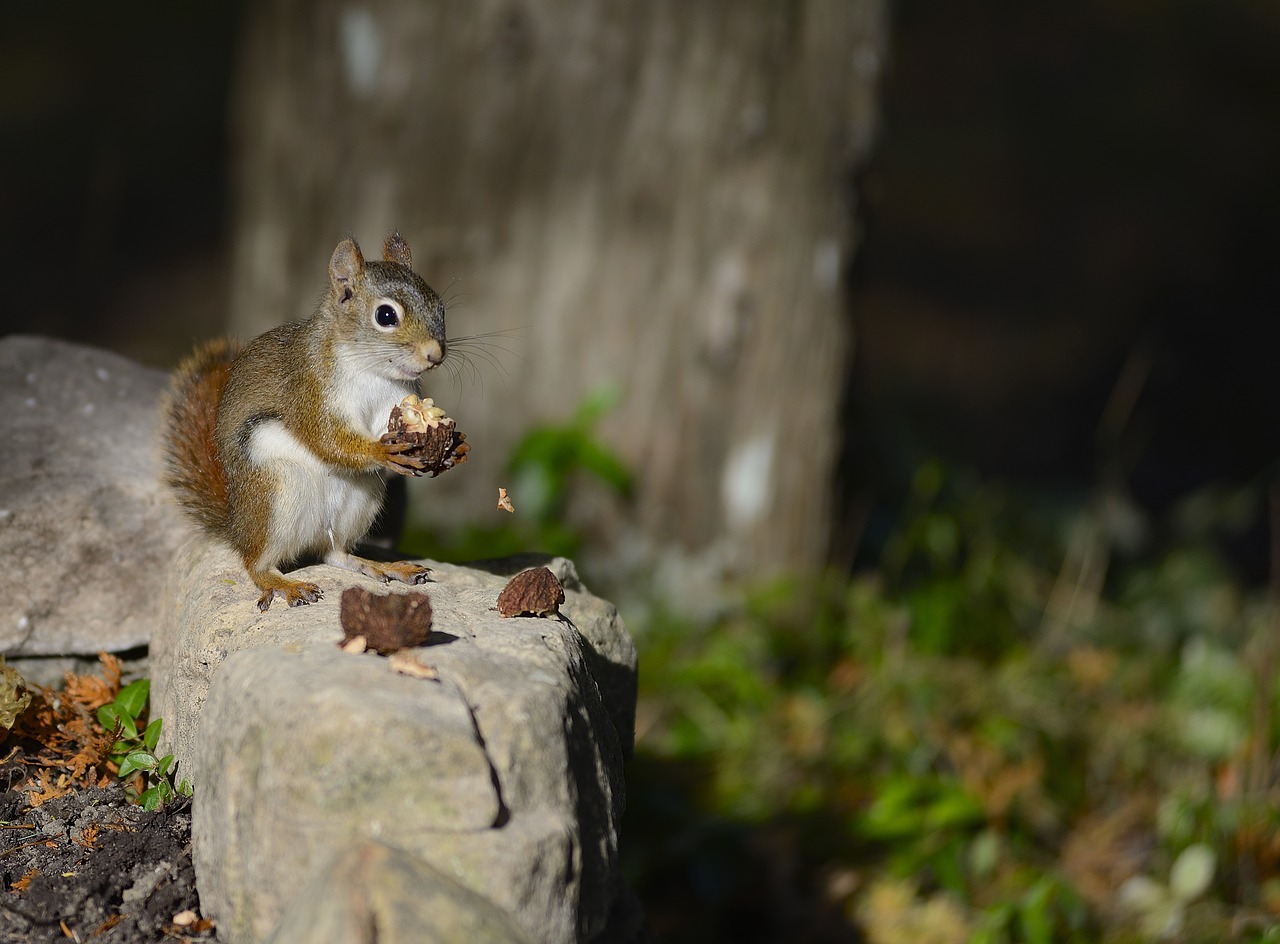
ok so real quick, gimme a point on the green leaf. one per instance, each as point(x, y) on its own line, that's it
point(151, 736)
point(149, 799)
point(954, 808)
point(138, 760)
point(1035, 915)
point(133, 697)
point(1192, 872)
point(128, 730)
point(596, 404)
point(605, 466)
point(166, 762)
point(108, 717)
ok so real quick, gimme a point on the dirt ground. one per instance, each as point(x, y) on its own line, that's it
point(89, 866)
point(78, 861)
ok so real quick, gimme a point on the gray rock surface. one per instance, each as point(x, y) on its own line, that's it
point(373, 885)
point(504, 774)
point(85, 532)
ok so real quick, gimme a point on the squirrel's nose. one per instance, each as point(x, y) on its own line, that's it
point(432, 352)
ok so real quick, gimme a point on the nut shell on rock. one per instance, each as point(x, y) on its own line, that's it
point(534, 592)
point(388, 622)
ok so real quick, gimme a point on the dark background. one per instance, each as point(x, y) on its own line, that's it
point(1067, 268)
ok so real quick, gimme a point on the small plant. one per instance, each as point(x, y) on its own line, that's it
point(544, 471)
point(147, 778)
point(1160, 907)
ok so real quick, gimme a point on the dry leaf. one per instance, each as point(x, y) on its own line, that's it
point(21, 884)
point(107, 925)
point(88, 837)
point(504, 502)
point(48, 788)
point(12, 703)
point(90, 690)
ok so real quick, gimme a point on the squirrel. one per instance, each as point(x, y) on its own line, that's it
point(276, 447)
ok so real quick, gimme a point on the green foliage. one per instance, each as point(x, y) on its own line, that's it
point(545, 468)
point(967, 743)
point(134, 750)
point(1029, 704)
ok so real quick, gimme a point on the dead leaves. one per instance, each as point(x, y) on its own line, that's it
point(47, 786)
point(14, 698)
point(59, 734)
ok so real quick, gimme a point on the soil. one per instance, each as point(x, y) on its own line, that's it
point(90, 866)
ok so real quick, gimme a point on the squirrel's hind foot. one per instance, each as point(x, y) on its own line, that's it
point(403, 571)
point(293, 592)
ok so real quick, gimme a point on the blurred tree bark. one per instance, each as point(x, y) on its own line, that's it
point(658, 195)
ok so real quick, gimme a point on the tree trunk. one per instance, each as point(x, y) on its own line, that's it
point(654, 196)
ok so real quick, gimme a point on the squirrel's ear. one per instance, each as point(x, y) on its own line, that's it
point(345, 267)
point(395, 249)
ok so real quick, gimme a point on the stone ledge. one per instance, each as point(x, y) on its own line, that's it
point(504, 774)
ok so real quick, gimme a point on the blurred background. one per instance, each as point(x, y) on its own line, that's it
point(904, 370)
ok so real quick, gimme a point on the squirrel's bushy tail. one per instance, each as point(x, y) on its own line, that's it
point(190, 424)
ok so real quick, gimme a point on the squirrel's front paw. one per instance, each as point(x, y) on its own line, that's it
point(399, 458)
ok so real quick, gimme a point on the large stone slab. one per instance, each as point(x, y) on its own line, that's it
point(374, 886)
point(503, 774)
point(85, 532)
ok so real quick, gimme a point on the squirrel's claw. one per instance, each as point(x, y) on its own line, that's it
point(395, 460)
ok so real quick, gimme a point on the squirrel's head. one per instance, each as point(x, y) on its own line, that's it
point(386, 310)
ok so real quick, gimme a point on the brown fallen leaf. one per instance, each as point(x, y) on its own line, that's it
point(48, 788)
point(504, 501)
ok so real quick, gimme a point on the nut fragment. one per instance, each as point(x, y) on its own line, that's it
point(405, 663)
point(504, 502)
point(431, 435)
point(355, 645)
point(388, 622)
point(534, 592)
point(420, 415)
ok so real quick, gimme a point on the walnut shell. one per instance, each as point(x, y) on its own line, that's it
point(388, 622)
point(534, 592)
point(432, 436)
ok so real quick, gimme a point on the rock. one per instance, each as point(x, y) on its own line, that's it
point(373, 885)
point(504, 774)
point(85, 532)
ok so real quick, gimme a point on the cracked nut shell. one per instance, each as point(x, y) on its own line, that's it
point(432, 436)
point(389, 622)
point(534, 592)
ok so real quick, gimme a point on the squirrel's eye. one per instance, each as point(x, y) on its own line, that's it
point(384, 316)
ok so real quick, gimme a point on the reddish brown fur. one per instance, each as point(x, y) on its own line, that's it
point(190, 424)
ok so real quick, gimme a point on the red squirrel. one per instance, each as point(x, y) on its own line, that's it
point(277, 448)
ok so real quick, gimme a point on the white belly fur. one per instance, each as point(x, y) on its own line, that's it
point(316, 507)
point(360, 396)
